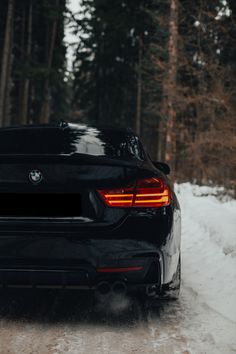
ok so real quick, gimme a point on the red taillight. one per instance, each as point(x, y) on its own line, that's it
point(119, 270)
point(148, 192)
point(151, 192)
point(121, 197)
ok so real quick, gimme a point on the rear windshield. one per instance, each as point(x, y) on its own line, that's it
point(56, 141)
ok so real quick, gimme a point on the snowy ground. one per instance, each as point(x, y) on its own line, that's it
point(209, 248)
point(202, 321)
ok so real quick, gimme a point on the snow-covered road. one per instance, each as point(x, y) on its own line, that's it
point(202, 321)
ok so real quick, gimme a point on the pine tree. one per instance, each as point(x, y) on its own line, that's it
point(33, 64)
point(205, 89)
point(107, 66)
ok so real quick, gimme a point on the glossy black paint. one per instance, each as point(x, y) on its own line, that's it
point(67, 250)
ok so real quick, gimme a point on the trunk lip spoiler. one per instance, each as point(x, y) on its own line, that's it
point(72, 158)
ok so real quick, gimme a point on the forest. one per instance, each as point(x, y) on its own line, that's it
point(165, 68)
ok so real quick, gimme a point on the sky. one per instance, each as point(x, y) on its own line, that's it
point(74, 6)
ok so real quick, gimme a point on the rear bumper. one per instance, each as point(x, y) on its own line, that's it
point(64, 254)
point(133, 272)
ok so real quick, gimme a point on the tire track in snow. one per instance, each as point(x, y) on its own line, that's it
point(137, 331)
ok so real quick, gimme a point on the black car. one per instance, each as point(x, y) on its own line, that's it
point(85, 207)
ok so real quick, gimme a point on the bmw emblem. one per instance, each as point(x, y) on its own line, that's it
point(35, 176)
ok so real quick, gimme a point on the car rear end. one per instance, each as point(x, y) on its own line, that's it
point(83, 208)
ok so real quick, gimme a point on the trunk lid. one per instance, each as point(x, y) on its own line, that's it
point(66, 191)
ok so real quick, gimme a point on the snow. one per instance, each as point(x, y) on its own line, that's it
point(209, 247)
point(70, 37)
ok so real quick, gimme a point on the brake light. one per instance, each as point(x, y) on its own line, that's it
point(121, 197)
point(151, 192)
point(148, 192)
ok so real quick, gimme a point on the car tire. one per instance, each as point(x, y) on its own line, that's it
point(174, 287)
point(171, 291)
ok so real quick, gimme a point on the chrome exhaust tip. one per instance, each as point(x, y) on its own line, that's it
point(104, 288)
point(119, 287)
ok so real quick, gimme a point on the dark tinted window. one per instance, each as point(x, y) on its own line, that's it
point(31, 141)
point(73, 139)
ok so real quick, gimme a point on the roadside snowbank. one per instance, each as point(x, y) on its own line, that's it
point(209, 247)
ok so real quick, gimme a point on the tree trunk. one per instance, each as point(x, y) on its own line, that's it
point(22, 59)
point(26, 82)
point(7, 118)
point(6, 63)
point(45, 110)
point(160, 147)
point(170, 86)
point(139, 88)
